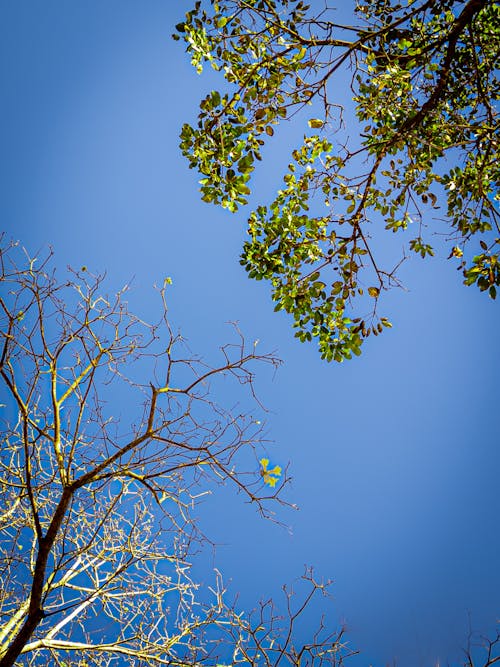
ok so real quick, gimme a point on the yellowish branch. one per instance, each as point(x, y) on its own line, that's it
point(74, 385)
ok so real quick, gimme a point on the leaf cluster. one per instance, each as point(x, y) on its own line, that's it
point(423, 159)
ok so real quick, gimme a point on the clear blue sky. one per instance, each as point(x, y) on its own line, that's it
point(395, 456)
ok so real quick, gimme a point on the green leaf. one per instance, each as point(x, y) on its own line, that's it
point(270, 476)
point(315, 123)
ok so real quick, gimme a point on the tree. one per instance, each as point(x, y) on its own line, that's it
point(420, 153)
point(96, 527)
point(482, 650)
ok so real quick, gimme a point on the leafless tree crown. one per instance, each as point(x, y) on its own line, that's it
point(99, 471)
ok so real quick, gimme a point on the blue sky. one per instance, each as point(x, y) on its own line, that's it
point(394, 456)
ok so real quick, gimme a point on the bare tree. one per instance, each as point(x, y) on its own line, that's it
point(482, 650)
point(96, 528)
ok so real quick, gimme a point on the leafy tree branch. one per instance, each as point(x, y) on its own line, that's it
point(424, 143)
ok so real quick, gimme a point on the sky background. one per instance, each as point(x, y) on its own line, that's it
point(394, 455)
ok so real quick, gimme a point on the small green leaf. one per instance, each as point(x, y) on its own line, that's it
point(271, 476)
point(315, 123)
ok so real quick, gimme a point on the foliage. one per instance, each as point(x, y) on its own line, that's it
point(270, 475)
point(96, 527)
point(422, 154)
